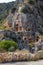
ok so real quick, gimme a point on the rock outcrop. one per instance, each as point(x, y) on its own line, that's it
point(26, 24)
point(22, 55)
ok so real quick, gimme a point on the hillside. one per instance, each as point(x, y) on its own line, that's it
point(22, 23)
point(5, 8)
point(30, 8)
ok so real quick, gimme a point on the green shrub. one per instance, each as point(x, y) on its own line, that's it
point(6, 44)
point(25, 10)
point(40, 32)
point(13, 10)
point(41, 7)
point(12, 49)
point(2, 50)
point(31, 1)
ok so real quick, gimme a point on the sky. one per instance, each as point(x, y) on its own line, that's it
point(2, 1)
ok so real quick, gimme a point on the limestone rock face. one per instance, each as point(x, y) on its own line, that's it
point(32, 16)
point(25, 24)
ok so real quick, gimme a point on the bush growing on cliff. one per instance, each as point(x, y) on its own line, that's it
point(13, 10)
point(41, 7)
point(7, 44)
point(25, 10)
point(31, 1)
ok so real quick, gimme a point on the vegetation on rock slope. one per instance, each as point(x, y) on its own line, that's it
point(8, 45)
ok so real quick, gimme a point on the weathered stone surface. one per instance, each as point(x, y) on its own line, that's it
point(30, 22)
point(20, 56)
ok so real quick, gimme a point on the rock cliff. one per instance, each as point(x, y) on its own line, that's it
point(26, 22)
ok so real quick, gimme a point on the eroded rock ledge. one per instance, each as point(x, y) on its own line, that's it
point(20, 56)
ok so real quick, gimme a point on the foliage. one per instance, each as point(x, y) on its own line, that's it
point(41, 7)
point(13, 10)
point(12, 49)
point(8, 44)
point(31, 1)
point(25, 10)
point(40, 32)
